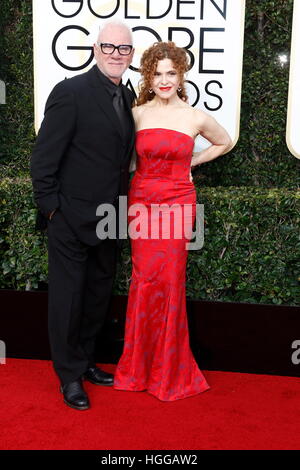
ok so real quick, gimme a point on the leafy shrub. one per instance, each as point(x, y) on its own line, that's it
point(251, 249)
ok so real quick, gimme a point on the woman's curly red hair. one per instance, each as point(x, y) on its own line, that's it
point(159, 51)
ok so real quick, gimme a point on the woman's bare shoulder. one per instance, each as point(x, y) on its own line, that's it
point(201, 116)
point(137, 111)
point(197, 112)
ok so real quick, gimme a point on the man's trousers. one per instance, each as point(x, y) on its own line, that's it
point(80, 284)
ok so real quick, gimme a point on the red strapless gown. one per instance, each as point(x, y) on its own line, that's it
point(157, 355)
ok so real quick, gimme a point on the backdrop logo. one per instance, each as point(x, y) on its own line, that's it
point(293, 115)
point(211, 31)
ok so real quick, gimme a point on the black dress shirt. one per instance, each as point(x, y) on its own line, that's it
point(111, 88)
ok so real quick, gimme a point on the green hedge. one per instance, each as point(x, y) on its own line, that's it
point(23, 251)
point(251, 204)
point(251, 249)
point(16, 70)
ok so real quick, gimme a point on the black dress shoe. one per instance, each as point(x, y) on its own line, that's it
point(75, 396)
point(98, 377)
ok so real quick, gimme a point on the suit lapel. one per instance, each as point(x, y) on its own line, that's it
point(103, 99)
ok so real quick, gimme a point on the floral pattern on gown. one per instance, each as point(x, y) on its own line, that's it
point(157, 355)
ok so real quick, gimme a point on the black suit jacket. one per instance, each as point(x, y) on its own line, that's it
point(80, 159)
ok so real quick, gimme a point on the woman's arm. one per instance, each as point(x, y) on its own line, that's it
point(215, 134)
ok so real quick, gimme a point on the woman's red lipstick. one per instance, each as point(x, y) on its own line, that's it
point(165, 88)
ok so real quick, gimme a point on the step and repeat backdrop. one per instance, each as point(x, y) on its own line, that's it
point(293, 115)
point(212, 32)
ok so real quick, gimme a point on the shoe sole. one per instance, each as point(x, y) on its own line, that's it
point(80, 408)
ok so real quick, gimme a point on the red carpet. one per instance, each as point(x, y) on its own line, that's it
point(240, 411)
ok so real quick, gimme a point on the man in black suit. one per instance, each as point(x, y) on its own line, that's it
point(81, 160)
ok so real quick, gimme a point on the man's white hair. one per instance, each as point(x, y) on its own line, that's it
point(115, 22)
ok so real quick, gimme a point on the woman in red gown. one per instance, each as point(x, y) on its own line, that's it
point(162, 202)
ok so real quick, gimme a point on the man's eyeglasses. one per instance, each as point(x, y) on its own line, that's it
point(123, 49)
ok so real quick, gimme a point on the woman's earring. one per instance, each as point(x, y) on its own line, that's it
point(179, 89)
point(150, 90)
